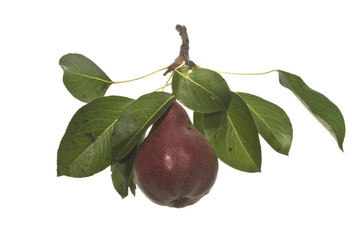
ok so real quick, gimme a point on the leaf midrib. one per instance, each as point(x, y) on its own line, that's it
point(87, 76)
point(86, 149)
point(339, 139)
point(136, 134)
point(238, 137)
point(265, 124)
point(207, 90)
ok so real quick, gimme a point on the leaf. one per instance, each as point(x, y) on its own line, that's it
point(122, 174)
point(83, 78)
point(137, 118)
point(132, 184)
point(271, 122)
point(85, 147)
point(198, 120)
point(320, 106)
point(234, 136)
point(201, 90)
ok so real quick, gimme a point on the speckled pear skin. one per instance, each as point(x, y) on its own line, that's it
point(175, 165)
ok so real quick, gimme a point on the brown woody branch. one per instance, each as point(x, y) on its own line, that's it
point(184, 51)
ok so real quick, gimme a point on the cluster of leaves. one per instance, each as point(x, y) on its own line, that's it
point(108, 130)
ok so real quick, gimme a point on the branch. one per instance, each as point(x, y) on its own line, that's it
point(184, 51)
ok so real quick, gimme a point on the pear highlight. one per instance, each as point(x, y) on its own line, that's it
point(175, 165)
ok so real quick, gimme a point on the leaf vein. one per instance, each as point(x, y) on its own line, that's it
point(238, 137)
point(136, 134)
point(91, 77)
point(200, 86)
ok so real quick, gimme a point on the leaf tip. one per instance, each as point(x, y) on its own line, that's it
point(341, 147)
point(133, 192)
point(285, 152)
point(254, 169)
point(123, 196)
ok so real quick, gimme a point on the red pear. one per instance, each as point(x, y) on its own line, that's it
point(175, 165)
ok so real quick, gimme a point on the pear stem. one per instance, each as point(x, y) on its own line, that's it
point(184, 51)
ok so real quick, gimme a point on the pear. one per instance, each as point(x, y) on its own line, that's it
point(175, 165)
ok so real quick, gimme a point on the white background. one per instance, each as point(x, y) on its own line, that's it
point(311, 194)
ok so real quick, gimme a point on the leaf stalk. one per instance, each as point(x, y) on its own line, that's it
point(263, 73)
point(131, 80)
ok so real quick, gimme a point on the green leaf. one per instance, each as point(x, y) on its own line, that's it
point(137, 118)
point(234, 136)
point(320, 106)
point(122, 174)
point(132, 184)
point(85, 147)
point(271, 122)
point(201, 90)
point(83, 78)
point(198, 119)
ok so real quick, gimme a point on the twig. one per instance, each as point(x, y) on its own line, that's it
point(184, 51)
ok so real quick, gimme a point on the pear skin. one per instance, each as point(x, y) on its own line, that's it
point(175, 165)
